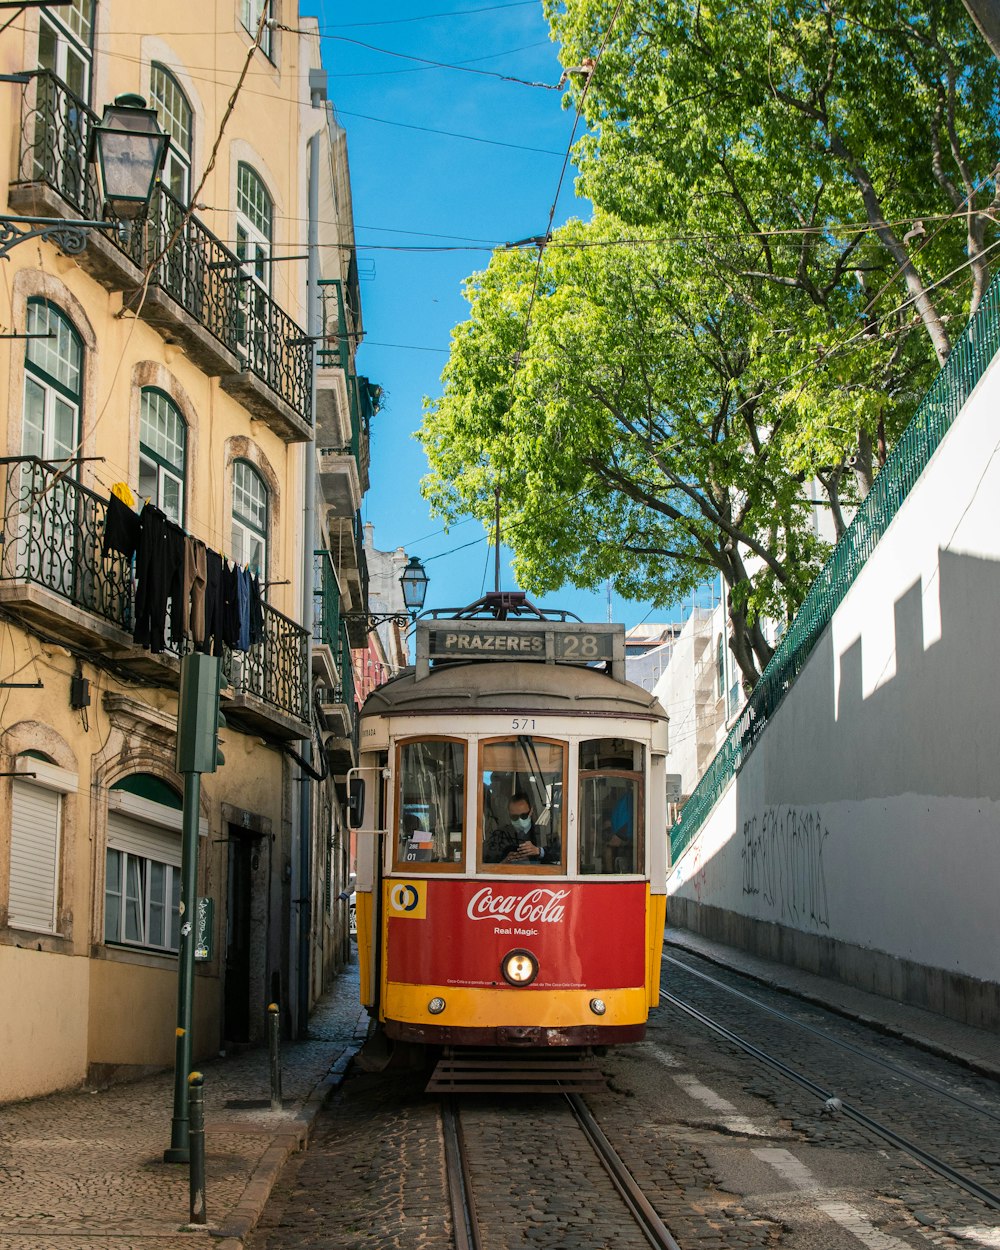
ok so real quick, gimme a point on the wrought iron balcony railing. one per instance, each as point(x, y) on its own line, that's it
point(185, 260)
point(326, 603)
point(52, 538)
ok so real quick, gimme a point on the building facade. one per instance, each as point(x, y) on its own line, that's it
point(178, 382)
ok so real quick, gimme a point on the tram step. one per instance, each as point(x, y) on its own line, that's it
point(523, 1072)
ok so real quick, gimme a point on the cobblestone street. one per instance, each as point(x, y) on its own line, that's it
point(728, 1153)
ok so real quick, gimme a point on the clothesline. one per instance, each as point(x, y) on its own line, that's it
point(212, 602)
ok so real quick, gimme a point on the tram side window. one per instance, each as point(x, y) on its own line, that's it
point(521, 791)
point(611, 806)
point(430, 802)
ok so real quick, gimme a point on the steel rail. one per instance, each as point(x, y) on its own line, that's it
point(834, 1041)
point(652, 1227)
point(465, 1221)
point(874, 1126)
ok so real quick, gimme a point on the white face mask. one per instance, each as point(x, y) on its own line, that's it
point(521, 823)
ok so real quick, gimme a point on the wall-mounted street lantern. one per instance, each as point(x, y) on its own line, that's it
point(129, 149)
point(414, 581)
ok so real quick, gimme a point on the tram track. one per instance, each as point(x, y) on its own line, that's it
point(461, 1186)
point(829, 1097)
point(907, 1074)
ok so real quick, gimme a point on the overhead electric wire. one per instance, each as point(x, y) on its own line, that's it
point(424, 69)
point(451, 134)
point(427, 17)
point(423, 60)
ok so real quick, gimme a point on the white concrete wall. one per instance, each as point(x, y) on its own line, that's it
point(868, 815)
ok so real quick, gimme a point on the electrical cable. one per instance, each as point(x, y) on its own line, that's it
point(426, 17)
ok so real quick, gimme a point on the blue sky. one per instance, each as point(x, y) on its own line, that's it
point(428, 209)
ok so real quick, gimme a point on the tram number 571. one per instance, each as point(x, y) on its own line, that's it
point(522, 724)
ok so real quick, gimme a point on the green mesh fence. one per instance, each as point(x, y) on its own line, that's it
point(907, 460)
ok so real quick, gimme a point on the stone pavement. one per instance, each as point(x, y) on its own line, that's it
point(85, 1170)
point(978, 1049)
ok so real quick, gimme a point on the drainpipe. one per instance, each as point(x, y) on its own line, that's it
point(313, 328)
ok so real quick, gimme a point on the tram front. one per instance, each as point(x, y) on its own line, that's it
point(512, 850)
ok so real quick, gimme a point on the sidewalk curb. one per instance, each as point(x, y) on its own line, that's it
point(775, 982)
point(244, 1217)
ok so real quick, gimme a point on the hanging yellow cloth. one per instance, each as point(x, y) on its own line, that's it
point(124, 494)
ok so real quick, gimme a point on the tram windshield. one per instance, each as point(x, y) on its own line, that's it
point(611, 806)
point(521, 789)
point(430, 806)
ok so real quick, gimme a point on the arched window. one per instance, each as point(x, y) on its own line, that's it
point(53, 383)
point(177, 119)
point(162, 446)
point(249, 517)
point(254, 224)
point(142, 864)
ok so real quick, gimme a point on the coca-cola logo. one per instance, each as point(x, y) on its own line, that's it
point(541, 906)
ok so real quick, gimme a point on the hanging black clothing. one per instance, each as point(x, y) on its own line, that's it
point(231, 605)
point(243, 603)
point(121, 528)
point(256, 612)
point(214, 604)
point(159, 565)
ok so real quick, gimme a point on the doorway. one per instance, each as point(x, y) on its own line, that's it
point(243, 861)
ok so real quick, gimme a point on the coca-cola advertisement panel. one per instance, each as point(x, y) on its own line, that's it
point(584, 935)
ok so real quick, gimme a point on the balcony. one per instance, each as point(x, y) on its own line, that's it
point(339, 480)
point(198, 294)
point(55, 577)
point(348, 551)
point(332, 666)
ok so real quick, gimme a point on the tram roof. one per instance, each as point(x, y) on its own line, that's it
point(516, 685)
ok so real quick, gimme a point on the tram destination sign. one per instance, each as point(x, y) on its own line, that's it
point(555, 642)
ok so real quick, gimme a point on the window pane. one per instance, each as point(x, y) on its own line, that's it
point(59, 357)
point(172, 108)
point(175, 909)
point(113, 896)
point(611, 806)
point(170, 496)
point(148, 480)
point(63, 430)
point(253, 201)
point(79, 17)
point(34, 418)
point(134, 898)
point(249, 496)
point(157, 902)
point(521, 784)
point(161, 429)
point(431, 802)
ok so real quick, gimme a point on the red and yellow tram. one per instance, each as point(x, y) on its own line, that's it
point(512, 848)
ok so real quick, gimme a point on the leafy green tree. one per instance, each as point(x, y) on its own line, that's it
point(796, 206)
point(788, 120)
point(634, 432)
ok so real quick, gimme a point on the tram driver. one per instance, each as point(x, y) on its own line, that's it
point(521, 840)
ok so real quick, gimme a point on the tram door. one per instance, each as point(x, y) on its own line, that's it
point(236, 1009)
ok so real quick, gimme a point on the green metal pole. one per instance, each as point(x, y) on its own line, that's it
point(179, 1150)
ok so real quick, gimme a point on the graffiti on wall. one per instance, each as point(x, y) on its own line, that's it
point(783, 864)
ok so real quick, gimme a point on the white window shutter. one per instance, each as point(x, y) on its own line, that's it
point(34, 858)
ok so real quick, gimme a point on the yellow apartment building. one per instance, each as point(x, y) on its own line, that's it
point(183, 452)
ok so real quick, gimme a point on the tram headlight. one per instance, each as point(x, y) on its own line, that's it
point(598, 1006)
point(436, 1006)
point(519, 968)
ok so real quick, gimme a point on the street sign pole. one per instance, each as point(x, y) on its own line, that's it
point(179, 1150)
point(198, 722)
